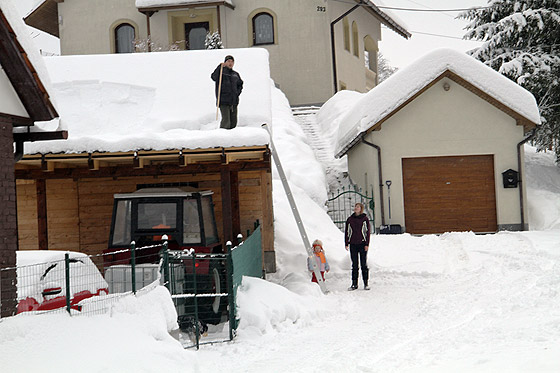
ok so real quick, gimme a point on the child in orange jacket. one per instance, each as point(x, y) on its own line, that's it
point(320, 259)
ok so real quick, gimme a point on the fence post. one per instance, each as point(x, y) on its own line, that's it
point(231, 299)
point(166, 278)
point(67, 278)
point(133, 265)
point(196, 327)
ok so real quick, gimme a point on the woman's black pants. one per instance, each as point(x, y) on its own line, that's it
point(359, 251)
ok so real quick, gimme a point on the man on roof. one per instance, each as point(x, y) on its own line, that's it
point(228, 89)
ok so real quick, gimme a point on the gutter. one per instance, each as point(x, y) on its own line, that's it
point(521, 202)
point(381, 203)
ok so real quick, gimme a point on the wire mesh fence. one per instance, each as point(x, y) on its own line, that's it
point(201, 284)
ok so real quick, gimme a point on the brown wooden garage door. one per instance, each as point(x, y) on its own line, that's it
point(443, 194)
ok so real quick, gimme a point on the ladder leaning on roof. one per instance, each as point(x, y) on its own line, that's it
point(295, 211)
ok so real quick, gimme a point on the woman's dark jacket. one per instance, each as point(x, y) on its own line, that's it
point(357, 230)
point(231, 85)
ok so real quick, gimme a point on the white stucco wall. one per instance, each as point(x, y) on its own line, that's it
point(300, 60)
point(86, 26)
point(351, 69)
point(9, 100)
point(440, 123)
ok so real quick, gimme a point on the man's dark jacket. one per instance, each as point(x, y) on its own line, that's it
point(357, 230)
point(231, 85)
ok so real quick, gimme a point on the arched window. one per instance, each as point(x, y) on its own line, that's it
point(355, 39)
point(346, 28)
point(263, 29)
point(124, 38)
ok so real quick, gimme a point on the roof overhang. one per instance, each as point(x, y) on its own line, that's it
point(142, 162)
point(182, 5)
point(44, 17)
point(521, 120)
point(385, 19)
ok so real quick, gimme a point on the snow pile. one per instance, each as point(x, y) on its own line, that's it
point(134, 337)
point(154, 101)
point(543, 189)
point(264, 306)
point(393, 92)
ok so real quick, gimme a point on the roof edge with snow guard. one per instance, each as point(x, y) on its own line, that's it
point(386, 19)
point(155, 5)
point(381, 103)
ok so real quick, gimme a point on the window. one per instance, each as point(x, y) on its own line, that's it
point(124, 38)
point(346, 28)
point(191, 222)
point(263, 29)
point(355, 39)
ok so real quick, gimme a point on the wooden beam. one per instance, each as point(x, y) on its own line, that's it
point(40, 136)
point(43, 232)
point(16, 120)
point(151, 170)
point(227, 213)
point(235, 213)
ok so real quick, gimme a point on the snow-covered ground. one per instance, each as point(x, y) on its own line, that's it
point(458, 302)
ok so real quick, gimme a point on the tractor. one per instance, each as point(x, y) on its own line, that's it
point(184, 216)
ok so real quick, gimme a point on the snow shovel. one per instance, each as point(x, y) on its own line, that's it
point(389, 182)
point(219, 91)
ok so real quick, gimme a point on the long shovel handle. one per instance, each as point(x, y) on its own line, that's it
point(219, 92)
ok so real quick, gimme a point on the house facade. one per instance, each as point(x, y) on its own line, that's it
point(447, 155)
point(316, 47)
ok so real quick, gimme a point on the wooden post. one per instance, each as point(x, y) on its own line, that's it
point(230, 205)
point(43, 231)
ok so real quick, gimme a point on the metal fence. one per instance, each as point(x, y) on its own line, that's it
point(340, 205)
point(202, 286)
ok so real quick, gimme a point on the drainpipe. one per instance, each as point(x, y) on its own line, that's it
point(382, 206)
point(521, 207)
point(333, 43)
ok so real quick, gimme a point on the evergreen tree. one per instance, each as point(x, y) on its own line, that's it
point(213, 41)
point(384, 69)
point(522, 41)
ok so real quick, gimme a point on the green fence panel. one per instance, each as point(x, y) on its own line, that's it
point(247, 259)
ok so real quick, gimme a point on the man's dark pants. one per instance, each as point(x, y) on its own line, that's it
point(358, 250)
point(229, 116)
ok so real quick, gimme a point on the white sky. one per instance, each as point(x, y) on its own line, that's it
point(399, 51)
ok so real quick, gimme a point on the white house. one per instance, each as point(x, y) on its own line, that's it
point(433, 142)
point(316, 47)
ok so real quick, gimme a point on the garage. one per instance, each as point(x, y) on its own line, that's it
point(443, 194)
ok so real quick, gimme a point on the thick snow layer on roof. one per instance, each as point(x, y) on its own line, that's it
point(154, 3)
point(390, 94)
point(154, 101)
point(23, 37)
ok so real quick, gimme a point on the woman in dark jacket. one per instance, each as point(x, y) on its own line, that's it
point(356, 235)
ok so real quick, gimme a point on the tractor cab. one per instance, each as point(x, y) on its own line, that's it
point(184, 214)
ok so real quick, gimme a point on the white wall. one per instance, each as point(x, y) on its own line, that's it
point(440, 123)
point(9, 100)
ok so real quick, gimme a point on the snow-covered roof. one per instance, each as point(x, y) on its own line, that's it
point(164, 3)
point(24, 39)
point(154, 101)
point(388, 96)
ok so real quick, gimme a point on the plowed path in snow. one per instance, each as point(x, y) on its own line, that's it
point(451, 303)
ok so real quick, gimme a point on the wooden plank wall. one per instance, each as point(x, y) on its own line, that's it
point(79, 212)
